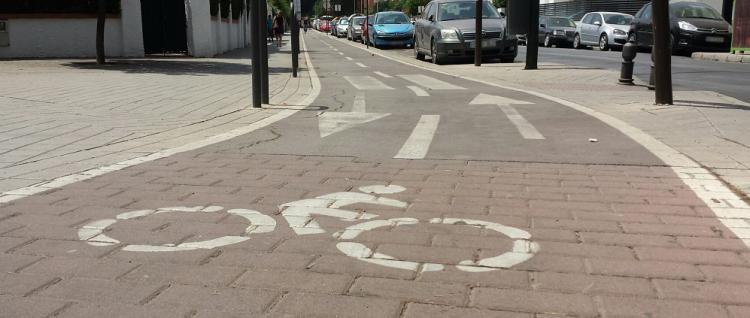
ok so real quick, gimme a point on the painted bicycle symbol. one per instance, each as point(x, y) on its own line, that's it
point(301, 216)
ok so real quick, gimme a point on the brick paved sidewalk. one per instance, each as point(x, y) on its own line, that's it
point(616, 241)
point(59, 117)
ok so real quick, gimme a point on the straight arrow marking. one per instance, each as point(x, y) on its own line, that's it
point(527, 130)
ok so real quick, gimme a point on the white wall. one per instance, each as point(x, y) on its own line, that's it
point(53, 37)
point(209, 36)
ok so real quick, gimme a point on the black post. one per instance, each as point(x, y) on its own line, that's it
point(263, 34)
point(295, 41)
point(478, 31)
point(532, 39)
point(366, 37)
point(662, 53)
point(255, 15)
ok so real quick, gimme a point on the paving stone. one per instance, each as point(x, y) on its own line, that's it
point(21, 285)
point(234, 300)
point(651, 307)
point(294, 280)
point(182, 274)
point(298, 304)
point(340, 264)
point(115, 310)
point(46, 247)
point(67, 267)
point(417, 310)
point(534, 301)
point(17, 306)
point(89, 290)
point(704, 291)
point(413, 291)
point(690, 256)
point(592, 284)
point(645, 269)
point(276, 260)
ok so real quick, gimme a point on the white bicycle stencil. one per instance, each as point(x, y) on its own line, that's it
point(301, 217)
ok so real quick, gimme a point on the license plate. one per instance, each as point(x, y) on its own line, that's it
point(714, 39)
point(485, 43)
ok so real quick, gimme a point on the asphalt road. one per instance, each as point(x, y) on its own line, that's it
point(374, 108)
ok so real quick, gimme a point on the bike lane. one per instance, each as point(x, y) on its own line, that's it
point(420, 237)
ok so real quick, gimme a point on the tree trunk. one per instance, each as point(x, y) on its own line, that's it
point(101, 17)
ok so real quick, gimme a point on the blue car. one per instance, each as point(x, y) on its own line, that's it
point(390, 28)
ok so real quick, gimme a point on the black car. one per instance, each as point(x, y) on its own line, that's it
point(694, 26)
point(558, 31)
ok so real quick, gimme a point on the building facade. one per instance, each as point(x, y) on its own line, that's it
point(134, 28)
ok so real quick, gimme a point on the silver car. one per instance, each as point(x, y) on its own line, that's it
point(341, 27)
point(354, 29)
point(603, 29)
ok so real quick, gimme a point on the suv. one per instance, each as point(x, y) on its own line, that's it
point(694, 26)
point(556, 31)
point(446, 30)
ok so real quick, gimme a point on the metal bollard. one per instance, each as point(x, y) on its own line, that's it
point(629, 51)
point(652, 76)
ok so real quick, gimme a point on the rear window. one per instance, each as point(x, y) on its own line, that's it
point(560, 22)
point(620, 19)
point(392, 18)
point(359, 20)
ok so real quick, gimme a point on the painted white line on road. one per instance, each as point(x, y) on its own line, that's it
point(419, 142)
point(331, 123)
point(9, 196)
point(381, 74)
point(361, 65)
point(349, 59)
point(418, 90)
point(429, 82)
point(367, 83)
point(341, 53)
point(360, 105)
point(527, 130)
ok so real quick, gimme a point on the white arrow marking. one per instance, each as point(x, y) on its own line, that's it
point(331, 123)
point(418, 144)
point(527, 130)
point(360, 104)
point(366, 83)
point(429, 82)
point(381, 74)
point(418, 91)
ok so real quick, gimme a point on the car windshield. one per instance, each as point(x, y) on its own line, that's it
point(466, 10)
point(392, 18)
point(560, 22)
point(696, 11)
point(618, 19)
point(359, 20)
point(343, 22)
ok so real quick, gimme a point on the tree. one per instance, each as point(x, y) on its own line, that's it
point(318, 8)
point(101, 18)
point(499, 3)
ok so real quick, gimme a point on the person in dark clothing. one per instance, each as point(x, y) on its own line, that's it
point(278, 28)
point(269, 26)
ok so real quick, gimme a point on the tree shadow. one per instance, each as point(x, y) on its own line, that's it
point(194, 67)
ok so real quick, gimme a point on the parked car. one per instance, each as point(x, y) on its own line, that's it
point(354, 31)
point(603, 29)
point(558, 31)
point(390, 28)
point(334, 22)
point(316, 24)
point(325, 26)
point(340, 29)
point(446, 30)
point(694, 26)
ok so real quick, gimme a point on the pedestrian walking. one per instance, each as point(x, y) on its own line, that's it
point(305, 23)
point(278, 28)
point(269, 27)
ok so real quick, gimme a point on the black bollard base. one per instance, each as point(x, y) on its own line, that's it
point(626, 74)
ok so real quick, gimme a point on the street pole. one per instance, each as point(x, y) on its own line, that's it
point(255, 39)
point(263, 27)
point(532, 39)
point(295, 40)
point(478, 31)
point(662, 53)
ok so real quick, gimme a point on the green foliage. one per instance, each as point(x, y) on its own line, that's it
point(281, 5)
point(499, 3)
point(318, 8)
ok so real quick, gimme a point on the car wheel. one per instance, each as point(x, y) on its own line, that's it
point(417, 54)
point(604, 43)
point(547, 41)
point(434, 54)
point(577, 42)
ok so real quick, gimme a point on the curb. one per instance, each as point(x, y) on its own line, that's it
point(721, 57)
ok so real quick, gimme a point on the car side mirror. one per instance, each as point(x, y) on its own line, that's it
point(542, 25)
point(597, 23)
point(431, 18)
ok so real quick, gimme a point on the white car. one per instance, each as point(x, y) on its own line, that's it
point(341, 27)
point(604, 30)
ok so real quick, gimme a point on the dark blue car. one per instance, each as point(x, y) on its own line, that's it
point(390, 28)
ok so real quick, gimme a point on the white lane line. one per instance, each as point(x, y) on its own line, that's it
point(418, 90)
point(359, 105)
point(419, 142)
point(429, 82)
point(361, 65)
point(21, 193)
point(367, 83)
point(341, 53)
point(381, 74)
point(349, 58)
point(527, 130)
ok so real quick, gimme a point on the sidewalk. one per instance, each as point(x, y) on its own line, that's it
point(708, 127)
point(61, 117)
point(722, 57)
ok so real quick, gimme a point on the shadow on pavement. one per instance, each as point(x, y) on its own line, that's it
point(197, 67)
point(701, 104)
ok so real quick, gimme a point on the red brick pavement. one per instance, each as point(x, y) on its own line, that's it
point(616, 241)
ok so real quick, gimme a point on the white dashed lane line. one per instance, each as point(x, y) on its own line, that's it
point(429, 82)
point(349, 59)
point(366, 83)
point(419, 142)
point(361, 65)
point(419, 91)
point(384, 75)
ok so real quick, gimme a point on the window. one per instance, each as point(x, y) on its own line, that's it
point(560, 22)
point(392, 18)
point(432, 11)
point(696, 11)
point(618, 19)
point(646, 14)
point(588, 19)
point(597, 18)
